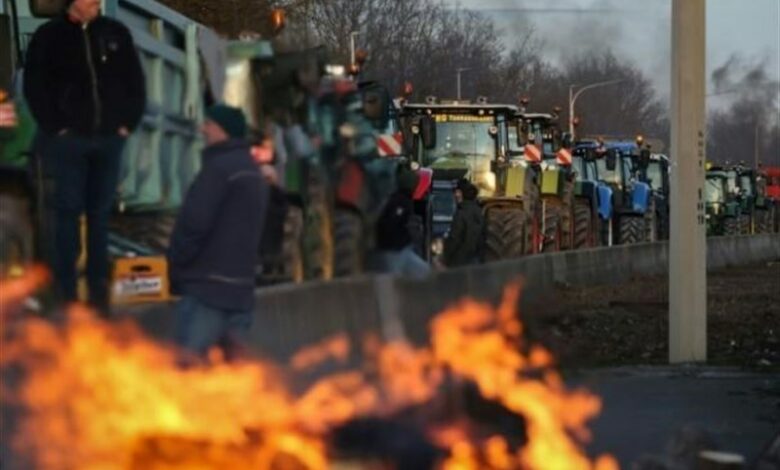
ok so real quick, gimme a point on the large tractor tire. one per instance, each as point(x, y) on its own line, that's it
point(651, 225)
point(318, 241)
point(292, 252)
point(583, 225)
point(506, 232)
point(16, 235)
point(763, 221)
point(348, 243)
point(744, 224)
point(631, 229)
point(731, 226)
point(553, 230)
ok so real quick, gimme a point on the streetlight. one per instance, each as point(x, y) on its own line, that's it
point(573, 99)
point(352, 37)
point(458, 71)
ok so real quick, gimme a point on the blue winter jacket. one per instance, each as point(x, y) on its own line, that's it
point(215, 242)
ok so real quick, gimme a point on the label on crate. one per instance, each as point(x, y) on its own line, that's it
point(138, 285)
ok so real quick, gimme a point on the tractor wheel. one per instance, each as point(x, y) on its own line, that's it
point(505, 234)
point(631, 229)
point(567, 229)
point(763, 221)
point(16, 235)
point(651, 226)
point(553, 232)
point(292, 253)
point(744, 224)
point(348, 243)
point(318, 241)
point(731, 226)
point(583, 224)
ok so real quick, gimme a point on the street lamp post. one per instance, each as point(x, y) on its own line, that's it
point(458, 71)
point(573, 98)
point(352, 36)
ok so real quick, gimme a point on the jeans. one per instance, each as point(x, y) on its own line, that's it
point(199, 326)
point(86, 174)
point(404, 262)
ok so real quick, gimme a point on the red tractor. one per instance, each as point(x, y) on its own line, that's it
point(773, 193)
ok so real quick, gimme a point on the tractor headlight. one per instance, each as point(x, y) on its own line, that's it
point(437, 246)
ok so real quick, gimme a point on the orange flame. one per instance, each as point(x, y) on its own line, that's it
point(100, 396)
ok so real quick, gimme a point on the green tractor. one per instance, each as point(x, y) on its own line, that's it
point(566, 216)
point(722, 208)
point(463, 139)
point(750, 191)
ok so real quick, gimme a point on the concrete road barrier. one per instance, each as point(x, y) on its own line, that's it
point(290, 317)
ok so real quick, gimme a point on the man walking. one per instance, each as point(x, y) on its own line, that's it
point(464, 244)
point(85, 87)
point(214, 245)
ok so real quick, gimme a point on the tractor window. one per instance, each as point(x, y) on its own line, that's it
point(655, 175)
point(461, 144)
point(606, 175)
point(715, 190)
point(746, 183)
point(578, 164)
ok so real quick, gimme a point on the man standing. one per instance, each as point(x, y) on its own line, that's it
point(85, 87)
point(214, 245)
point(464, 244)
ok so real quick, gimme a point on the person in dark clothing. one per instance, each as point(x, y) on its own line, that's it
point(214, 245)
point(395, 253)
point(85, 87)
point(464, 244)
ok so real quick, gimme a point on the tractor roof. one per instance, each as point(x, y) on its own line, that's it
point(463, 108)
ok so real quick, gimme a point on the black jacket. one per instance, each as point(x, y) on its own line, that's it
point(215, 241)
point(464, 244)
point(393, 232)
point(86, 90)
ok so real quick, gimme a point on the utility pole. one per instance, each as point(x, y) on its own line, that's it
point(687, 242)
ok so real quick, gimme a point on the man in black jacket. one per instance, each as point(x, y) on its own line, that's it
point(464, 243)
point(85, 87)
point(214, 246)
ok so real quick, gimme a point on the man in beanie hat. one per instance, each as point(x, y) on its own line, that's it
point(85, 87)
point(214, 245)
point(463, 246)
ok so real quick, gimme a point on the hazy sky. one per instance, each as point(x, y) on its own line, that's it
point(640, 30)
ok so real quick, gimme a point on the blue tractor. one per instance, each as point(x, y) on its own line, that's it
point(618, 165)
point(591, 194)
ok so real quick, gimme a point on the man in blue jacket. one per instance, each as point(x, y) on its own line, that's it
point(85, 87)
point(214, 245)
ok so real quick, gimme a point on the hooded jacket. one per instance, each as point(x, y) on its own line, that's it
point(86, 79)
point(215, 242)
point(464, 245)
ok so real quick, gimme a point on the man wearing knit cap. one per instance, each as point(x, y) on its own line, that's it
point(214, 245)
point(85, 87)
point(463, 246)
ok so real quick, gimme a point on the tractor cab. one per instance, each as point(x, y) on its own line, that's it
point(722, 208)
point(459, 139)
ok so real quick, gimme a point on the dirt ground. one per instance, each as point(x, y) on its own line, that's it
point(627, 324)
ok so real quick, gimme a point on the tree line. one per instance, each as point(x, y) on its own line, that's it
point(425, 42)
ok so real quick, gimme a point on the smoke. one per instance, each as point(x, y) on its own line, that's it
point(749, 84)
point(635, 31)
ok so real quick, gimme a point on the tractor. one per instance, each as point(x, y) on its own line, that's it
point(618, 164)
point(463, 139)
point(591, 194)
point(755, 207)
point(772, 175)
point(722, 207)
point(657, 176)
point(568, 213)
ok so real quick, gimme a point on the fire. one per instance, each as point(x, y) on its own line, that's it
point(101, 396)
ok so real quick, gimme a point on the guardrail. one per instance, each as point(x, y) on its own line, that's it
point(292, 316)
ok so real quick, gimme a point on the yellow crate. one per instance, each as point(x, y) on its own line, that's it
point(139, 279)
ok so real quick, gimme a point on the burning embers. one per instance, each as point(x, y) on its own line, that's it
point(102, 396)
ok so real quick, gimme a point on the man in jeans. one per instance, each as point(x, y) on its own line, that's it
point(214, 246)
point(85, 87)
